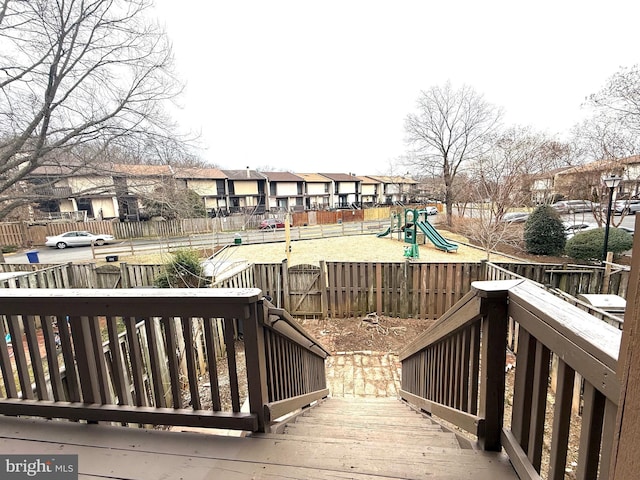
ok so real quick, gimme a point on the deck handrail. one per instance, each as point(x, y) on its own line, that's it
point(295, 374)
point(158, 373)
point(457, 372)
point(496, 272)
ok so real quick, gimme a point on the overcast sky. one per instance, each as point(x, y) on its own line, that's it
point(325, 86)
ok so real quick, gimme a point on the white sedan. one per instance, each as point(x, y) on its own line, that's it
point(78, 239)
point(431, 210)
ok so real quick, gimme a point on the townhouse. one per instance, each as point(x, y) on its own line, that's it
point(119, 191)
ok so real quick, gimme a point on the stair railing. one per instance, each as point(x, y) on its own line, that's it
point(456, 371)
point(62, 355)
point(294, 364)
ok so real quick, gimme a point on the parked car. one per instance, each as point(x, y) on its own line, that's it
point(271, 223)
point(431, 210)
point(625, 207)
point(574, 206)
point(515, 217)
point(78, 239)
point(572, 229)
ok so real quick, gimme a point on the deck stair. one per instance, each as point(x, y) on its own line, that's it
point(382, 438)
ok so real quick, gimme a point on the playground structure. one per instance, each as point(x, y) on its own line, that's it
point(407, 225)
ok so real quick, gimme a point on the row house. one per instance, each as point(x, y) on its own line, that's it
point(370, 191)
point(247, 191)
point(210, 183)
point(395, 189)
point(585, 181)
point(317, 193)
point(101, 191)
point(118, 191)
point(286, 191)
point(133, 183)
point(344, 190)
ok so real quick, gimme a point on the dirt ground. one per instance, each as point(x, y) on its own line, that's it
point(376, 334)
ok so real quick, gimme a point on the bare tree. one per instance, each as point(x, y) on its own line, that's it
point(500, 180)
point(608, 136)
point(452, 127)
point(619, 99)
point(602, 137)
point(75, 74)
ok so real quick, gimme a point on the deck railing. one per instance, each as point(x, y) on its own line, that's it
point(456, 371)
point(67, 357)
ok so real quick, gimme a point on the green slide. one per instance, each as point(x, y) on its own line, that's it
point(434, 236)
point(385, 233)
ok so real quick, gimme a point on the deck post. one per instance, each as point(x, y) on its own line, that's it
point(493, 360)
point(256, 362)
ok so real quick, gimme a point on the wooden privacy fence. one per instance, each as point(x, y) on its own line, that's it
point(56, 276)
point(336, 289)
point(345, 289)
point(13, 233)
point(157, 373)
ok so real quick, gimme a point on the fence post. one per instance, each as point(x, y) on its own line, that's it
point(124, 275)
point(606, 278)
point(285, 285)
point(493, 360)
point(324, 294)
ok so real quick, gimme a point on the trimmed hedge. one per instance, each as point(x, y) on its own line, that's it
point(544, 232)
point(589, 245)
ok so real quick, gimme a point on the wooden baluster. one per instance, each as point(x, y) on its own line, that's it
point(212, 362)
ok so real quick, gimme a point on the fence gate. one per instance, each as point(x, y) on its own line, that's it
point(305, 292)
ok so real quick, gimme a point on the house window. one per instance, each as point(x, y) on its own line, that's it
point(220, 187)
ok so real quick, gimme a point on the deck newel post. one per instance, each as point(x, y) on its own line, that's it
point(256, 362)
point(493, 360)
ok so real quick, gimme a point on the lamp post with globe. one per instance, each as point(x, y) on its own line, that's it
point(612, 181)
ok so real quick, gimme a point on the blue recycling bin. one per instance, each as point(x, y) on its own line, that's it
point(32, 255)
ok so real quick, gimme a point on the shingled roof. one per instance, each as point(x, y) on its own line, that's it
point(243, 174)
point(282, 177)
point(200, 173)
point(340, 177)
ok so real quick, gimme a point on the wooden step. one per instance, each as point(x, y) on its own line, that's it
point(360, 457)
point(416, 422)
point(364, 400)
point(107, 452)
point(387, 436)
point(366, 412)
point(412, 448)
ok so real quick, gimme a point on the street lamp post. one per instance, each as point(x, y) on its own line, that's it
point(611, 182)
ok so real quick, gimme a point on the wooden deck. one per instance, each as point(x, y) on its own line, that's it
point(341, 438)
